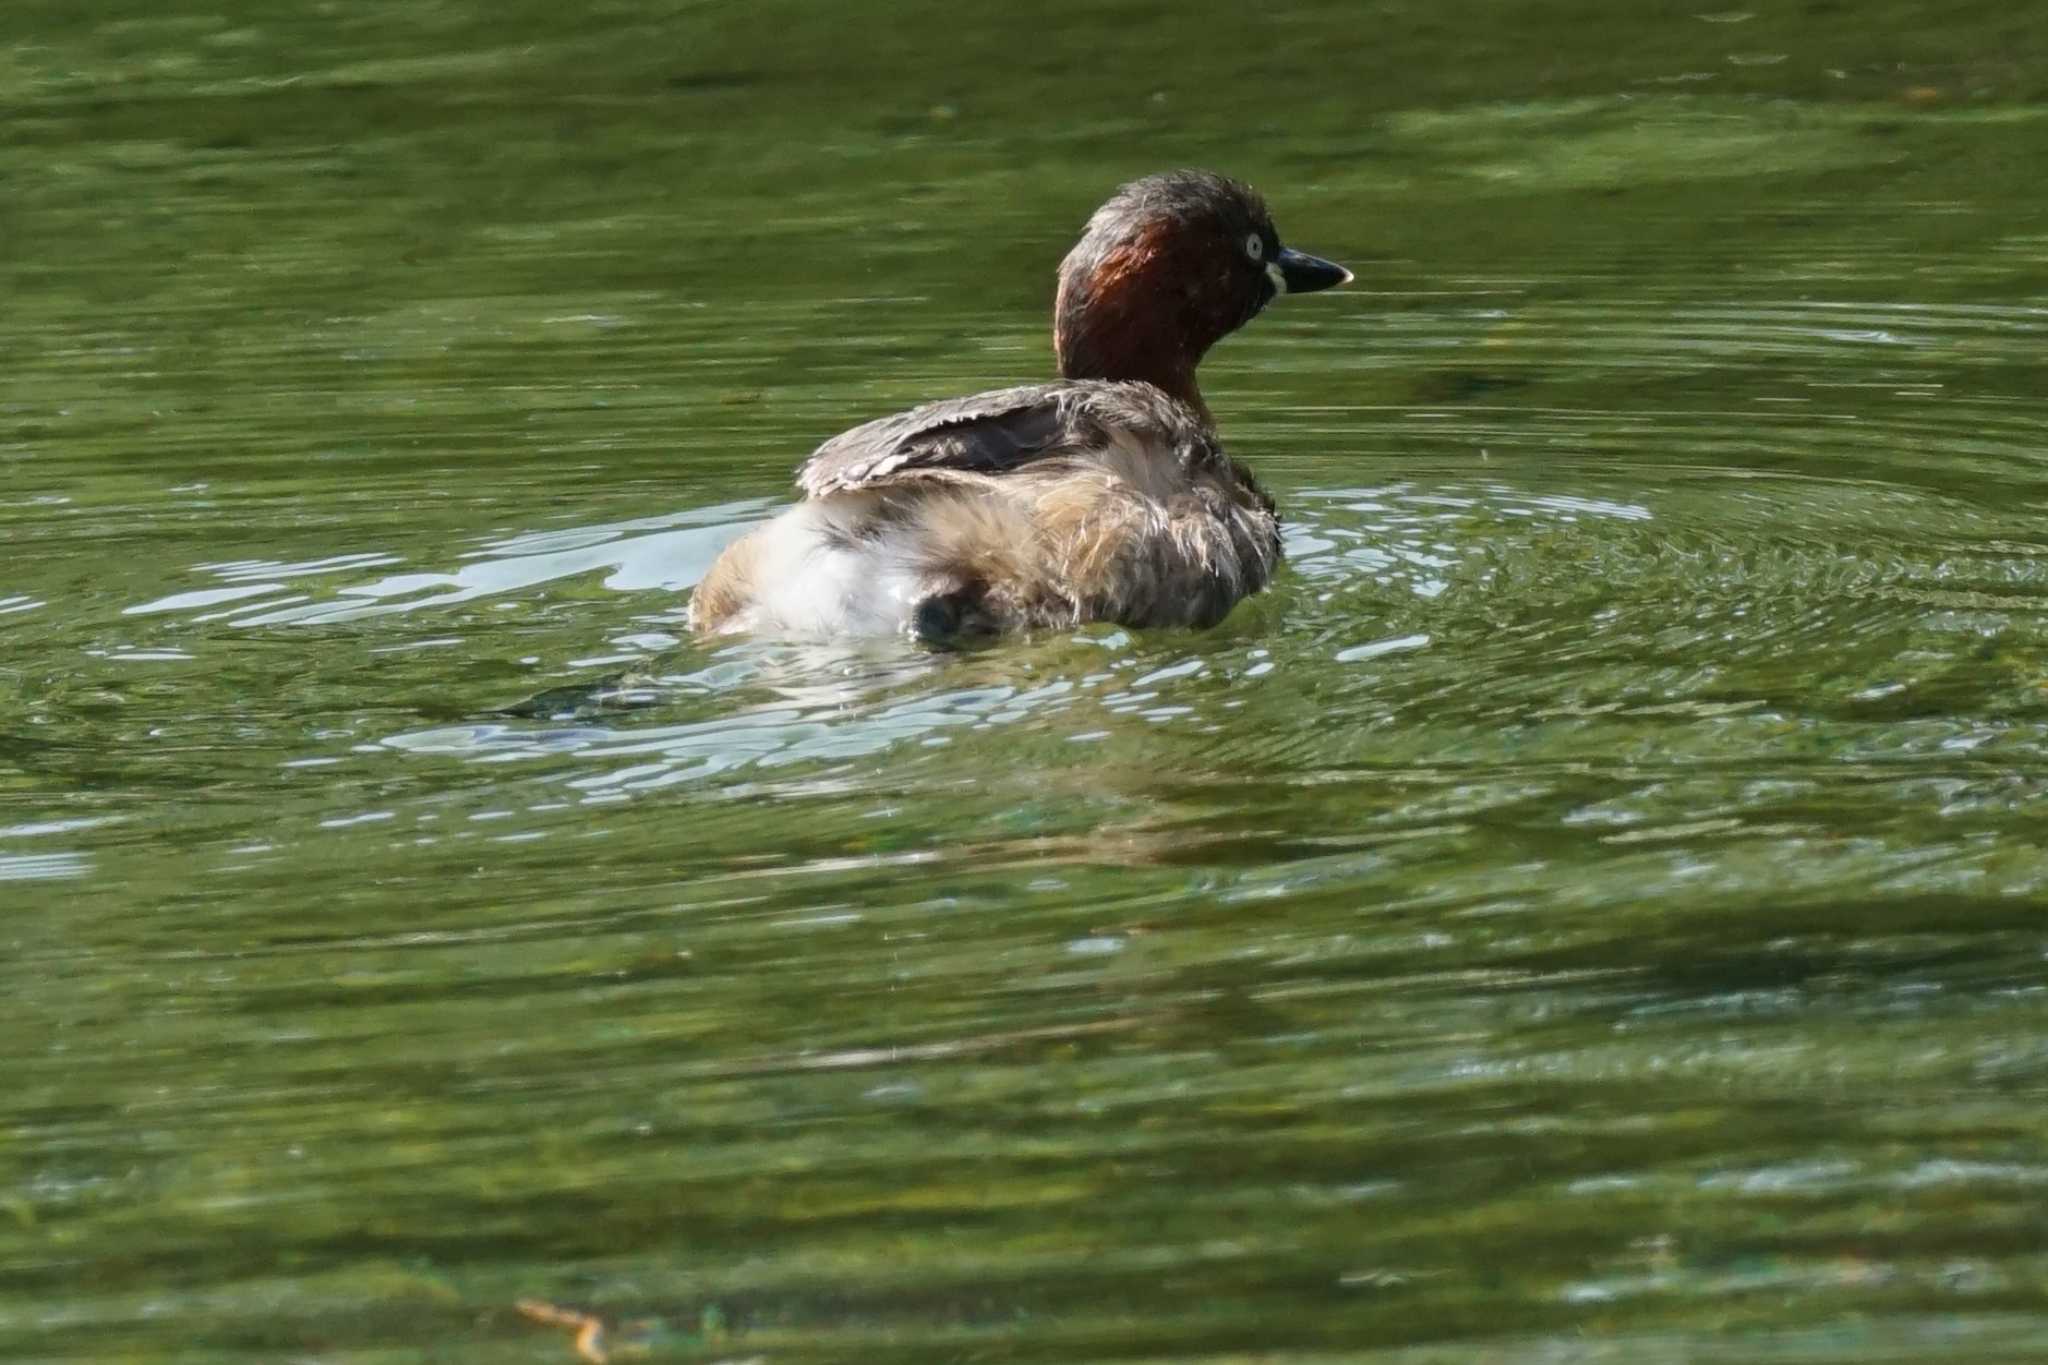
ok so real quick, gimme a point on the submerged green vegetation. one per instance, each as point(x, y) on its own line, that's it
point(1591, 908)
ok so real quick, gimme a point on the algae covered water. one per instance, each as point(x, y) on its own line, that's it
point(1592, 907)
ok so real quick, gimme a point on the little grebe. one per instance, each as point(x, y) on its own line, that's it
point(1103, 497)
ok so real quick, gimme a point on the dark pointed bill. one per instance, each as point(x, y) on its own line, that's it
point(1297, 272)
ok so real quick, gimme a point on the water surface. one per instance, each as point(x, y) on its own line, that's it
point(1591, 908)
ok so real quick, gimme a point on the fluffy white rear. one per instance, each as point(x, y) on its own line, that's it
point(813, 575)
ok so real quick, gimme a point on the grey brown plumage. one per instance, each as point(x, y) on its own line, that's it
point(1103, 496)
point(998, 431)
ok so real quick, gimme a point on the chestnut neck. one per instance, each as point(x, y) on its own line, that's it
point(1123, 316)
point(1091, 346)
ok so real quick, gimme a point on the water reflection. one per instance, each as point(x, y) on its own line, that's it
point(1560, 604)
point(648, 553)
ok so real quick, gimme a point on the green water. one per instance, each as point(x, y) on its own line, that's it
point(1591, 909)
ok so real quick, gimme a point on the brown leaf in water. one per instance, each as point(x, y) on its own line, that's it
point(589, 1327)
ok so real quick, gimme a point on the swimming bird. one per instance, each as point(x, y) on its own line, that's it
point(1102, 496)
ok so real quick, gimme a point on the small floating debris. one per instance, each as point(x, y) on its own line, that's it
point(589, 1328)
point(596, 1344)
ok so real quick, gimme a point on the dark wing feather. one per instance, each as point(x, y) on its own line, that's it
point(992, 432)
point(985, 433)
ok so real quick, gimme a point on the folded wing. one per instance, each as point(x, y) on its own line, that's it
point(994, 432)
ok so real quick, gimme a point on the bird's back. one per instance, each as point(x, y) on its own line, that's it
point(1039, 506)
